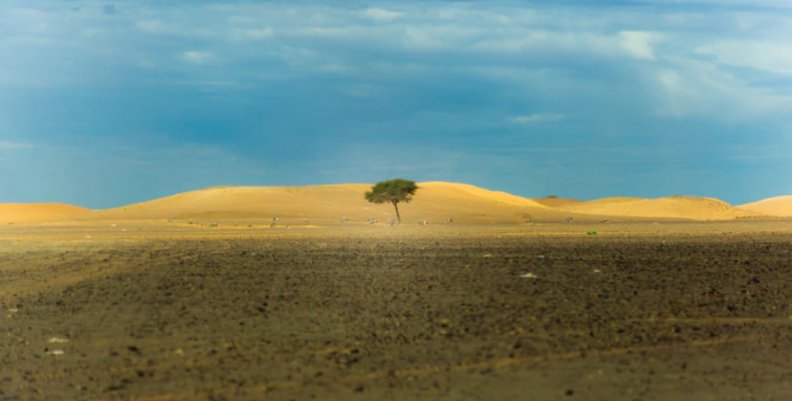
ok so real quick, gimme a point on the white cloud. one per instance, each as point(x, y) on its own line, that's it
point(699, 88)
point(775, 57)
point(537, 118)
point(639, 44)
point(520, 41)
point(197, 57)
point(381, 14)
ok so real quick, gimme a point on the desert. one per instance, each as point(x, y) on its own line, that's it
point(200, 296)
point(240, 200)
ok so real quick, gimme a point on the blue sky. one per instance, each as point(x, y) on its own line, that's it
point(108, 103)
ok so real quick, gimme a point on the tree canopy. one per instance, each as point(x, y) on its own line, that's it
point(392, 191)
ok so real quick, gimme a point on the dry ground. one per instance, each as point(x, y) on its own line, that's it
point(152, 311)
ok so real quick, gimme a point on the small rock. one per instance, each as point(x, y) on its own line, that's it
point(56, 352)
point(528, 276)
point(596, 271)
point(58, 340)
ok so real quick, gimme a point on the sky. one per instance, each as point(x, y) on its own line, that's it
point(108, 103)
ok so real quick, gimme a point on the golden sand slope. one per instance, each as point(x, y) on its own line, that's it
point(556, 202)
point(683, 207)
point(38, 212)
point(777, 206)
point(434, 202)
point(328, 204)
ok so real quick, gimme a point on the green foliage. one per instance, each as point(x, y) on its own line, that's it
point(392, 191)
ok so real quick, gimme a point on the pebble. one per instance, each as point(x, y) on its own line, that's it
point(528, 276)
point(57, 340)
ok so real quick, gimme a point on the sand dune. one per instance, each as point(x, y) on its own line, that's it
point(681, 207)
point(556, 202)
point(434, 202)
point(777, 206)
point(38, 212)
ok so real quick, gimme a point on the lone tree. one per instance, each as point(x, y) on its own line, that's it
point(393, 191)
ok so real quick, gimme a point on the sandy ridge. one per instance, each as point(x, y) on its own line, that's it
point(775, 206)
point(38, 212)
point(435, 202)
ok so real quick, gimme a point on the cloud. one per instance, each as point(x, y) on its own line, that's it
point(770, 56)
point(149, 26)
point(197, 57)
point(639, 44)
point(262, 33)
point(537, 118)
point(427, 73)
point(147, 64)
point(545, 41)
point(381, 14)
point(694, 87)
point(11, 145)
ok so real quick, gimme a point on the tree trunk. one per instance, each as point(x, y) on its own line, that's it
point(396, 206)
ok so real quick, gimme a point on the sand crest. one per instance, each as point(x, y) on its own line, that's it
point(38, 212)
point(681, 207)
point(435, 202)
point(776, 206)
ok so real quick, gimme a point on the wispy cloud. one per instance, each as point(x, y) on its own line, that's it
point(381, 14)
point(537, 118)
point(774, 56)
point(257, 33)
point(149, 26)
point(639, 44)
point(197, 57)
point(11, 145)
point(309, 78)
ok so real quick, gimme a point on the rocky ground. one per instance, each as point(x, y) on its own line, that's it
point(558, 312)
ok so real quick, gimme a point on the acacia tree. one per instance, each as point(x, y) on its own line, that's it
point(393, 191)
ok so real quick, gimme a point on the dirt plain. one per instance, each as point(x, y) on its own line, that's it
point(155, 311)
